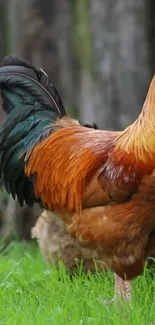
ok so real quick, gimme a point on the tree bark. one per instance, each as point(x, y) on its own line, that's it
point(121, 60)
point(41, 33)
point(82, 61)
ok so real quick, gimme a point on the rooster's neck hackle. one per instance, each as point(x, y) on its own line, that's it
point(139, 137)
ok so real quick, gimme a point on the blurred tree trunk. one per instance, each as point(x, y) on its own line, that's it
point(4, 49)
point(4, 40)
point(4, 37)
point(121, 60)
point(151, 32)
point(16, 220)
point(29, 217)
point(41, 33)
point(82, 61)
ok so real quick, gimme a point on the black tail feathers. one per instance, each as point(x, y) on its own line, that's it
point(32, 104)
point(16, 72)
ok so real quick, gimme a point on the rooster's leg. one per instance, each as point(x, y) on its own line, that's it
point(122, 288)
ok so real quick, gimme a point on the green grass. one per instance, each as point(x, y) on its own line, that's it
point(33, 293)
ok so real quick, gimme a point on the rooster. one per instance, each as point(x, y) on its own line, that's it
point(56, 245)
point(101, 183)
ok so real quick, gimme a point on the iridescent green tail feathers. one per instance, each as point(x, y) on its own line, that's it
point(32, 104)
